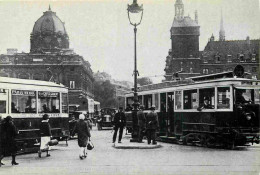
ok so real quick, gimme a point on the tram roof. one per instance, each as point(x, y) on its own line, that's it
point(29, 82)
point(212, 78)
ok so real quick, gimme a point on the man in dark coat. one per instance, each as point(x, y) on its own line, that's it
point(119, 123)
point(152, 125)
point(45, 131)
point(83, 130)
point(141, 123)
point(10, 132)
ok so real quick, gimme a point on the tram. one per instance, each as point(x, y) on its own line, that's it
point(218, 110)
point(26, 101)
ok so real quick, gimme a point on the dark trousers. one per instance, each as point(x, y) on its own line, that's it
point(151, 135)
point(141, 134)
point(121, 128)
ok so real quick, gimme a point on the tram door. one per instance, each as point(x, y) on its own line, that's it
point(162, 115)
point(3, 101)
point(170, 113)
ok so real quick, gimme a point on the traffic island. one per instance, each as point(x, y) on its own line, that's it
point(135, 145)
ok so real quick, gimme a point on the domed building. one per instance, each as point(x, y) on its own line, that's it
point(51, 59)
point(49, 34)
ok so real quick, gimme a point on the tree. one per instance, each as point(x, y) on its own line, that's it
point(104, 92)
point(144, 81)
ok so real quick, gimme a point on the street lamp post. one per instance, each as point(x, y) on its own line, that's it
point(135, 15)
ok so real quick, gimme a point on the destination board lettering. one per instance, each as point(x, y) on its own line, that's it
point(48, 94)
point(22, 92)
point(2, 90)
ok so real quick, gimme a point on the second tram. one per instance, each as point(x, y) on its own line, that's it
point(213, 110)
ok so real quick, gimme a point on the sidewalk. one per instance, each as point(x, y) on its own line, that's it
point(126, 144)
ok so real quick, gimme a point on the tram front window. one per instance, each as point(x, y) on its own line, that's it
point(48, 102)
point(190, 99)
point(243, 96)
point(23, 101)
point(223, 98)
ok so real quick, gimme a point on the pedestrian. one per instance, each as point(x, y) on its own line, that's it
point(119, 123)
point(9, 144)
point(152, 125)
point(1, 141)
point(45, 131)
point(141, 123)
point(83, 130)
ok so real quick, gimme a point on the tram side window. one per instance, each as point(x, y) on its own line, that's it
point(129, 103)
point(3, 100)
point(64, 103)
point(207, 98)
point(178, 100)
point(163, 102)
point(243, 96)
point(257, 96)
point(148, 101)
point(49, 102)
point(190, 99)
point(223, 98)
point(23, 101)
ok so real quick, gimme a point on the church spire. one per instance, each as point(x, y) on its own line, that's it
point(179, 9)
point(222, 31)
point(49, 7)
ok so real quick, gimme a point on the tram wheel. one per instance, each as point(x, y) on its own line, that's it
point(210, 142)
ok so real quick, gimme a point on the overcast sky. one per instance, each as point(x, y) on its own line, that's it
point(100, 31)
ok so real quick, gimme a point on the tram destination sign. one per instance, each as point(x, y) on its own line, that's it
point(22, 92)
point(48, 94)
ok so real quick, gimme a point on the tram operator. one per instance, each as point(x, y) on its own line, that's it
point(240, 99)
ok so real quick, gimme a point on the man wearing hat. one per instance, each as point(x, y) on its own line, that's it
point(141, 123)
point(119, 123)
point(152, 125)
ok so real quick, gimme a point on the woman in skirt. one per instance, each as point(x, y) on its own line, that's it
point(45, 131)
point(82, 128)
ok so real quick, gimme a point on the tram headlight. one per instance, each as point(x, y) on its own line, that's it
point(248, 117)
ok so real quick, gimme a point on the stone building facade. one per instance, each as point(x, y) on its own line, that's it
point(51, 59)
point(185, 60)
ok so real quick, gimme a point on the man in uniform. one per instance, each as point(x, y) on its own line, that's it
point(152, 125)
point(141, 123)
point(119, 123)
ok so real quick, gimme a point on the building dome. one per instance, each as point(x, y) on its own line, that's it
point(49, 34)
point(49, 23)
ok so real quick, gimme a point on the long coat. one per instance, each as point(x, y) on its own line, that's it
point(45, 128)
point(141, 119)
point(8, 140)
point(83, 130)
point(152, 120)
point(120, 119)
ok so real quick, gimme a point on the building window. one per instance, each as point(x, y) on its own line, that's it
point(218, 70)
point(205, 60)
point(217, 58)
point(241, 58)
point(229, 58)
point(72, 84)
point(253, 57)
point(205, 71)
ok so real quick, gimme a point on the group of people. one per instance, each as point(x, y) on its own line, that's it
point(148, 125)
point(9, 132)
